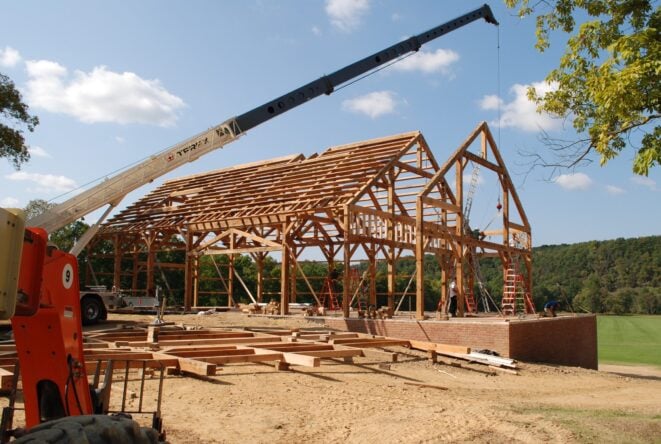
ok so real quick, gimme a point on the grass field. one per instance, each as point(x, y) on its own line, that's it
point(629, 339)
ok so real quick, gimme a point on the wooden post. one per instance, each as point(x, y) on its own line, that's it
point(230, 282)
point(392, 250)
point(150, 264)
point(259, 259)
point(292, 276)
point(284, 272)
point(135, 269)
point(188, 272)
point(419, 261)
point(117, 262)
point(195, 272)
point(372, 275)
point(346, 276)
point(459, 273)
point(444, 291)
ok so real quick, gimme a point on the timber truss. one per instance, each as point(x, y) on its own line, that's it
point(376, 195)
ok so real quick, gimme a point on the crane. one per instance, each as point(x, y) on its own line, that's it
point(112, 190)
point(39, 285)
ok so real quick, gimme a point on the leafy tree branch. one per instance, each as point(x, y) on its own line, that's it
point(607, 81)
point(14, 114)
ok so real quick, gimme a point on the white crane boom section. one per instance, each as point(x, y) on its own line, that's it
point(113, 189)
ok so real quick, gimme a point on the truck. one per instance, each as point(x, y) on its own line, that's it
point(39, 285)
point(96, 301)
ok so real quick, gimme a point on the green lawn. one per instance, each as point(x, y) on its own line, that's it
point(629, 339)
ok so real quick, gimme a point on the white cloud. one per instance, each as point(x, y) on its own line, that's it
point(100, 95)
point(491, 102)
point(521, 113)
point(316, 30)
point(9, 57)
point(645, 182)
point(9, 202)
point(374, 104)
point(395, 17)
point(613, 190)
point(574, 181)
point(428, 62)
point(38, 151)
point(46, 182)
point(120, 139)
point(346, 14)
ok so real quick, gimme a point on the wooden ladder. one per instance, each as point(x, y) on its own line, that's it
point(516, 296)
point(328, 296)
point(469, 300)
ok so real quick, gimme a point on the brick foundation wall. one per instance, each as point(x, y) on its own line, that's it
point(563, 340)
point(568, 341)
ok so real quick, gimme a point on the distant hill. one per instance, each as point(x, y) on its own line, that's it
point(618, 276)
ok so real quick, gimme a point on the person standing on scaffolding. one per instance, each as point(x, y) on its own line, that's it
point(452, 303)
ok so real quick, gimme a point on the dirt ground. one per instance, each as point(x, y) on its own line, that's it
point(363, 403)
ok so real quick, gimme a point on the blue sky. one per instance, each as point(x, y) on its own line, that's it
point(114, 82)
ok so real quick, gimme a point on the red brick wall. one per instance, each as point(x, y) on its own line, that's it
point(477, 335)
point(564, 340)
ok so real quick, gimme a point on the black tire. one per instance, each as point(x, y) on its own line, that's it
point(90, 429)
point(91, 310)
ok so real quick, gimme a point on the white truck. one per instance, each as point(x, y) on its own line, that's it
point(96, 301)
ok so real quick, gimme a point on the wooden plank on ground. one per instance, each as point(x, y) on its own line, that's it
point(192, 365)
point(6, 379)
point(201, 342)
point(117, 365)
point(372, 354)
point(262, 357)
point(360, 342)
point(173, 336)
point(298, 348)
point(118, 356)
point(304, 360)
point(440, 348)
point(341, 353)
point(170, 350)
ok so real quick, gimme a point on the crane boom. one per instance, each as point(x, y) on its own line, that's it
point(112, 190)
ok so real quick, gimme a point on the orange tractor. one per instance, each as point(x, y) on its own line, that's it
point(39, 293)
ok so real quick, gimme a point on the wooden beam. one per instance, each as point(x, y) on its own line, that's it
point(191, 365)
point(440, 348)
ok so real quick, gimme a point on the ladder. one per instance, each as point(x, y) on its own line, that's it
point(328, 295)
point(516, 297)
point(469, 300)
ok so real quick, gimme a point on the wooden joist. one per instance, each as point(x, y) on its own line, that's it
point(439, 348)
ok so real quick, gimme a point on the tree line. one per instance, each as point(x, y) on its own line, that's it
point(615, 276)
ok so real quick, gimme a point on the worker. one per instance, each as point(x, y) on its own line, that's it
point(550, 307)
point(452, 309)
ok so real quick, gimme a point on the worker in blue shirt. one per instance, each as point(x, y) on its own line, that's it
point(550, 307)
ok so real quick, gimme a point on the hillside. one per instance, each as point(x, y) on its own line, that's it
point(618, 276)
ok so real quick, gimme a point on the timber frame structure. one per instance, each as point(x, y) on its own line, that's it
point(384, 196)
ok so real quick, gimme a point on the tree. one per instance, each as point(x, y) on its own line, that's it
point(66, 236)
point(15, 113)
point(607, 81)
